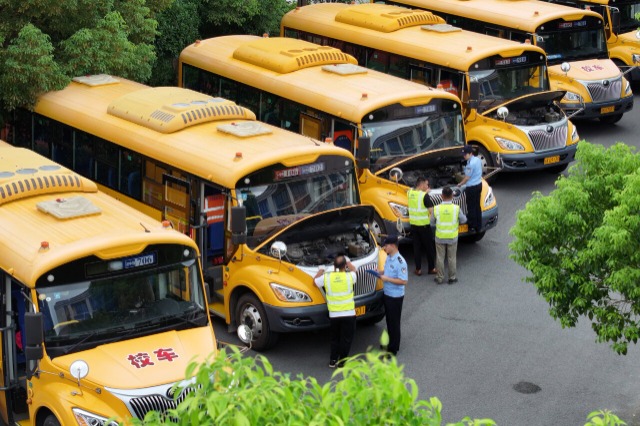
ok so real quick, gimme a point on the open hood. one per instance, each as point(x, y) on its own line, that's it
point(424, 161)
point(534, 100)
point(325, 224)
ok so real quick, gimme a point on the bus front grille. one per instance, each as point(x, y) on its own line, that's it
point(605, 90)
point(551, 138)
point(366, 283)
point(160, 403)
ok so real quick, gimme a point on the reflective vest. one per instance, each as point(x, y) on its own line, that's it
point(339, 289)
point(418, 213)
point(446, 215)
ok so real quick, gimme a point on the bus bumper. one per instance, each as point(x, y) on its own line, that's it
point(316, 317)
point(536, 160)
point(593, 110)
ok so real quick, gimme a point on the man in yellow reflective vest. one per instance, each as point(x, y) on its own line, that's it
point(420, 211)
point(447, 217)
point(339, 292)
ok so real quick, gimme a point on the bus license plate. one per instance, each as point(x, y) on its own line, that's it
point(463, 228)
point(551, 160)
point(605, 110)
point(361, 310)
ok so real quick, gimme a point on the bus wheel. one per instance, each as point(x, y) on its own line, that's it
point(378, 228)
point(473, 238)
point(252, 314)
point(51, 420)
point(610, 119)
point(485, 159)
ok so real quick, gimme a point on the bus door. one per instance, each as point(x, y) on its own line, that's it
point(213, 212)
point(13, 394)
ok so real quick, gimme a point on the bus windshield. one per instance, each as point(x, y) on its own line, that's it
point(575, 45)
point(295, 192)
point(628, 21)
point(395, 140)
point(504, 84)
point(81, 315)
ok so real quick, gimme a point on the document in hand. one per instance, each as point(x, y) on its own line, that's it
point(373, 272)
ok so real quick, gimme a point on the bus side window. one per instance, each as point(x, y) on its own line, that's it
point(214, 202)
point(131, 176)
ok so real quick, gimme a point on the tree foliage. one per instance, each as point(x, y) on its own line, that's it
point(581, 243)
point(44, 43)
point(247, 391)
point(256, 17)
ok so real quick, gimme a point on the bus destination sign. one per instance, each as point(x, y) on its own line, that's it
point(291, 172)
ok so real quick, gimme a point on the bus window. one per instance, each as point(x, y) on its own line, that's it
point(106, 163)
point(378, 60)
point(291, 116)
point(62, 147)
point(84, 154)
point(343, 134)
point(398, 66)
point(43, 134)
point(19, 132)
point(228, 89)
point(270, 109)
point(131, 174)
point(248, 97)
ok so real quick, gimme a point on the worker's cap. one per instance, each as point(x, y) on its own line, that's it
point(391, 239)
point(467, 149)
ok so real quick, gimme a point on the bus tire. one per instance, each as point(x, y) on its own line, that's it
point(51, 420)
point(250, 312)
point(610, 119)
point(485, 159)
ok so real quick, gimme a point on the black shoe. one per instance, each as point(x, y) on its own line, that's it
point(333, 364)
point(454, 280)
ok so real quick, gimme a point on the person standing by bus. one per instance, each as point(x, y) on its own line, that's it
point(420, 211)
point(395, 277)
point(339, 292)
point(471, 184)
point(447, 217)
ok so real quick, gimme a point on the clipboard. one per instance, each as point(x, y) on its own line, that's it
point(373, 272)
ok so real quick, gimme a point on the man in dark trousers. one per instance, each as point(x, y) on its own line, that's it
point(339, 292)
point(471, 184)
point(395, 277)
point(420, 212)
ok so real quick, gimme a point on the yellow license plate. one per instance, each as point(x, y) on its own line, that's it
point(551, 160)
point(463, 228)
point(605, 110)
point(361, 310)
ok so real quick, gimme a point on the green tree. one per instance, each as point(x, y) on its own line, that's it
point(580, 243)
point(256, 17)
point(44, 43)
point(247, 391)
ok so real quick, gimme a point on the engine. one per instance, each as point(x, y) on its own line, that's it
point(438, 176)
point(531, 116)
point(323, 250)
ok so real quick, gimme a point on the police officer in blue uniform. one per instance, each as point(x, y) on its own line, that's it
point(395, 277)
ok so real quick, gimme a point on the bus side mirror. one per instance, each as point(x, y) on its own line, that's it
point(364, 151)
point(239, 224)
point(474, 94)
point(615, 20)
point(33, 335)
point(540, 43)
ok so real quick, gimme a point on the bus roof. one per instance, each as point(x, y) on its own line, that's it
point(457, 49)
point(203, 149)
point(349, 92)
point(41, 201)
point(524, 15)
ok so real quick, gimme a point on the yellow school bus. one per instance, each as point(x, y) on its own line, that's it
point(102, 306)
point(621, 26)
point(574, 40)
point(510, 115)
point(266, 206)
point(322, 93)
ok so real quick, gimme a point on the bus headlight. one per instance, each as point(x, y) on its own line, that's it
point(572, 97)
point(399, 210)
point(508, 144)
point(87, 418)
point(489, 199)
point(627, 87)
point(286, 294)
point(574, 134)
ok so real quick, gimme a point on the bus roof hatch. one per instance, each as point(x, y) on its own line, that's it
point(385, 18)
